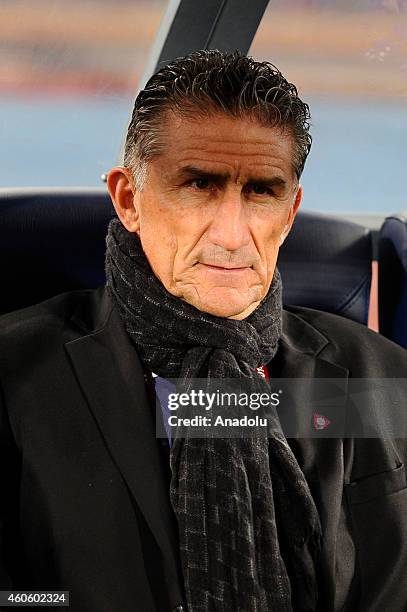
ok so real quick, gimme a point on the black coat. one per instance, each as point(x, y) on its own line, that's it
point(85, 504)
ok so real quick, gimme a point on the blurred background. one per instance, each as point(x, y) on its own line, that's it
point(69, 72)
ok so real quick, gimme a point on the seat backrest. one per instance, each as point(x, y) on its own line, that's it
point(326, 263)
point(393, 278)
point(53, 240)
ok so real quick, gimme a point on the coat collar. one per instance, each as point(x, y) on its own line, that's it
point(299, 354)
point(299, 348)
point(297, 334)
point(111, 376)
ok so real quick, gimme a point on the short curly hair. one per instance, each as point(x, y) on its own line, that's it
point(207, 82)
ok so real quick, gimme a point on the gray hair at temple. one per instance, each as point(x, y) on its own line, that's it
point(204, 83)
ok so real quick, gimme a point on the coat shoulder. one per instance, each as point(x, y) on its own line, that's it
point(45, 324)
point(353, 345)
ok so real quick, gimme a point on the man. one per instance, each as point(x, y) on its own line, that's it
point(95, 504)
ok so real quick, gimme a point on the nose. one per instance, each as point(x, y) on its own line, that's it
point(229, 228)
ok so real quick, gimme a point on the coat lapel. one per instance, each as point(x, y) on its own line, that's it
point(111, 377)
point(311, 386)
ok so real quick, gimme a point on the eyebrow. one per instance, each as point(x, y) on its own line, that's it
point(221, 177)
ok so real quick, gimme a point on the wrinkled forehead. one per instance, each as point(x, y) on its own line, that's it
point(238, 146)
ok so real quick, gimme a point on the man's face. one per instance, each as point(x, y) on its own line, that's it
point(215, 207)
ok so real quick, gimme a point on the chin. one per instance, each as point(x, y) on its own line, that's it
point(227, 306)
point(225, 312)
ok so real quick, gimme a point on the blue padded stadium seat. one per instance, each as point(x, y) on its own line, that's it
point(393, 278)
point(325, 263)
point(53, 240)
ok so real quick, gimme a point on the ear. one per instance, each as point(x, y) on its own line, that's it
point(291, 215)
point(123, 193)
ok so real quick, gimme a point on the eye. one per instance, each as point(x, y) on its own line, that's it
point(200, 183)
point(258, 189)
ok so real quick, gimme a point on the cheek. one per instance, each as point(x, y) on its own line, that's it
point(270, 236)
point(163, 215)
point(158, 239)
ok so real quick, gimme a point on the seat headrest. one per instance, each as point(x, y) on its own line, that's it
point(325, 264)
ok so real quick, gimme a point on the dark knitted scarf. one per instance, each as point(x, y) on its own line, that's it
point(249, 530)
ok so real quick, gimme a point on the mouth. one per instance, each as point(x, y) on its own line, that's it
point(226, 269)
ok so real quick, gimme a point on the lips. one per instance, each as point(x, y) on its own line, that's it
point(226, 269)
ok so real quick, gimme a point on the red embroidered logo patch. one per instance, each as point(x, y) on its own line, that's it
point(263, 371)
point(320, 421)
